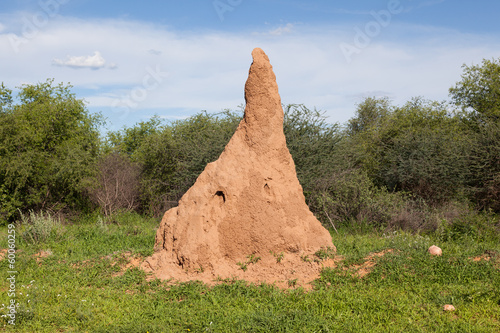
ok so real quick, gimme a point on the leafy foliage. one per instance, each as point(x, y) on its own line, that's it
point(5, 98)
point(312, 142)
point(130, 139)
point(369, 114)
point(420, 147)
point(48, 145)
point(485, 164)
point(479, 88)
point(160, 159)
point(351, 196)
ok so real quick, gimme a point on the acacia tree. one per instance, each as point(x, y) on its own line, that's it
point(478, 92)
point(48, 144)
point(369, 114)
point(479, 88)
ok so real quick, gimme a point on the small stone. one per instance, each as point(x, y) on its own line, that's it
point(448, 307)
point(435, 251)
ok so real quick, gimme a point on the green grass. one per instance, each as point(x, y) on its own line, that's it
point(76, 289)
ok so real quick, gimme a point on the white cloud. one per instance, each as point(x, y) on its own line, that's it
point(94, 61)
point(207, 70)
point(282, 30)
point(154, 52)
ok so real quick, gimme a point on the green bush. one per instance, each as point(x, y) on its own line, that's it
point(470, 224)
point(370, 114)
point(429, 160)
point(484, 164)
point(419, 148)
point(48, 145)
point(313, 143)
point(479, 89)
point(478, 95)
point(351, 196)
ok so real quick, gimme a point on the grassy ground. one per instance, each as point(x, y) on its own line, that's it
point(77, 288)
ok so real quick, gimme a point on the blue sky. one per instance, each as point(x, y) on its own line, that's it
point(134, 59)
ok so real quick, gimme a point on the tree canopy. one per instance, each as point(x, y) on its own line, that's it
point(48, 145)
point(479, 88)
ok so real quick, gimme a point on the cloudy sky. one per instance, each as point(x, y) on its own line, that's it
point(134, 59)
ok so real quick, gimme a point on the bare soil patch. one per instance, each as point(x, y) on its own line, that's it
point(370, 261)
point(39, 256)
point(3, 252)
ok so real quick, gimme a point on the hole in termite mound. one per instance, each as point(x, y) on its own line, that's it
point(221, 194)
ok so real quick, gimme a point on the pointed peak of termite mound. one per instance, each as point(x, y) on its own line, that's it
point(247, 202)
point(263, 117)
point(261, 89)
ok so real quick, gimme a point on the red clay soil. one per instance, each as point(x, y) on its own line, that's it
point(248, 202)
point(370, 261)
